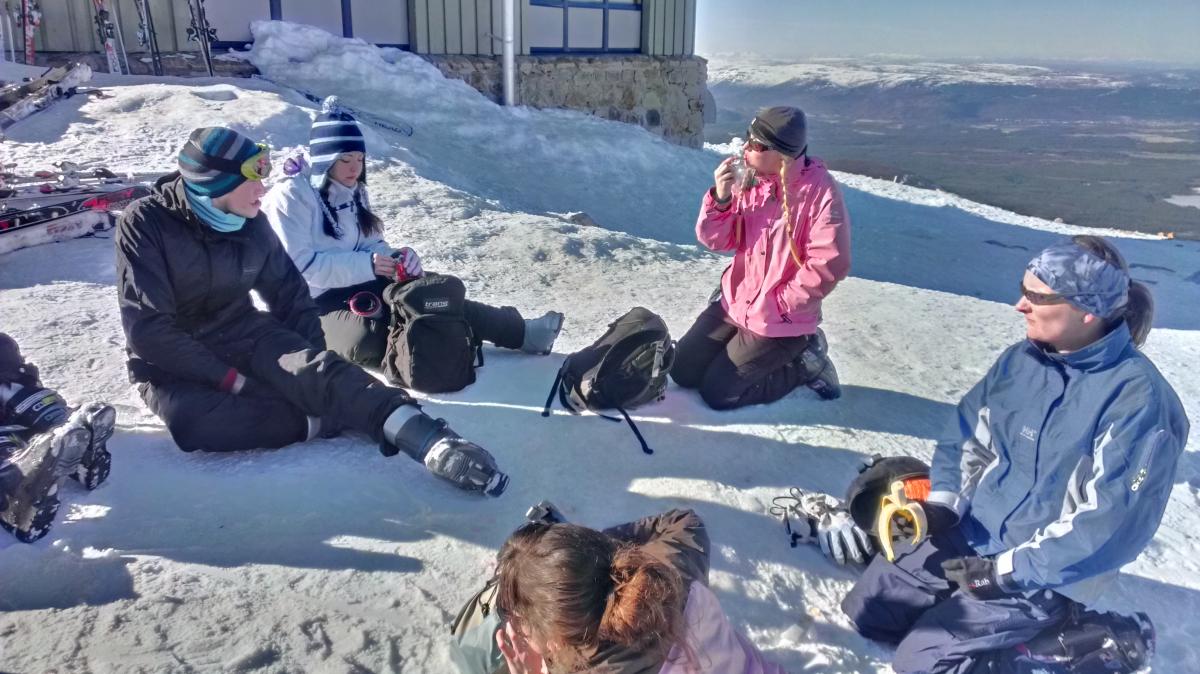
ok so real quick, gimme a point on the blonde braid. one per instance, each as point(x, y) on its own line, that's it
point(787, 214)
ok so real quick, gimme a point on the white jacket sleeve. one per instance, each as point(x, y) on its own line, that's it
point(376, 244)
point(292, 209)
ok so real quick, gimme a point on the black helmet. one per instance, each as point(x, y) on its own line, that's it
point(875, 478)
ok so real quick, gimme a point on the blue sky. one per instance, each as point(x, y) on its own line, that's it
point(1156, 30)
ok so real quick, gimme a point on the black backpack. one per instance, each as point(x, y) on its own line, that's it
point(430, 345)
point(624, 369)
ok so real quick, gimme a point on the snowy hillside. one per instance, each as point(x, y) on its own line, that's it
point(734, 69)
point(328, 557)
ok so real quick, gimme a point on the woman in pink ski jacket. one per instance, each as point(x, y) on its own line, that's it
point(787, 226)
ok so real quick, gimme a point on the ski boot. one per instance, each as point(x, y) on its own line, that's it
point(1094, 643)
point(37, 409)
point(447, 455)
point(540, 333)
point(823, 375)
point(96, 462)
point(31, 474)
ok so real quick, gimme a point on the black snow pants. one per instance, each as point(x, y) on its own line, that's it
point(288, 381)
point(938, 630)
point(733, 367)
point(363, 340)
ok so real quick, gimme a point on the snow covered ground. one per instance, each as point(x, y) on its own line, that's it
point(328, 557)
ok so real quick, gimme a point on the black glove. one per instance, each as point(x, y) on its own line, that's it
point(940, 518)
point(974, 575)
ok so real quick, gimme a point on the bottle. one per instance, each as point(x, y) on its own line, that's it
point(743, 176)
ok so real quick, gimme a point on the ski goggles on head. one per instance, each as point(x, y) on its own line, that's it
point(258, 167)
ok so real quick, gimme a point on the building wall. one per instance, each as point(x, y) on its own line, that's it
point(625, 60)
point(461, 26)
point(654, 27)
point(669, 27)
point(660, 93)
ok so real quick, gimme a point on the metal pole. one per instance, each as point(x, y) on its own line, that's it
point(508, 64)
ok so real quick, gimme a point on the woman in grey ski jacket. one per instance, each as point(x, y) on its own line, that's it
point(1054, 474)
point(324, 220)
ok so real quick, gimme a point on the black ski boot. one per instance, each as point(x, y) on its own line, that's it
point(815, 360)
point(99, 420)
point(447, 455)
point(31, 473)
point(1093, 643)
point(37, 409)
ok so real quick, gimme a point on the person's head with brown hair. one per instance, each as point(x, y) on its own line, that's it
point(1138, 313)
point(1075, 292)
point(571, 590)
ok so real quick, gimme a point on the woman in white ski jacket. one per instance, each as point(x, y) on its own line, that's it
point(325, 222)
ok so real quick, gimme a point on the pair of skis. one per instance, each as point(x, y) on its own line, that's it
point(395, 125)
point(147, 37)
point(111, 36)
point(200, 31)
point(22, 100)
point(29, 17)
point(107, 31)
point(31, 215)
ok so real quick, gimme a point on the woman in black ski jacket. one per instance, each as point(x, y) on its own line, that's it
point(219, 372)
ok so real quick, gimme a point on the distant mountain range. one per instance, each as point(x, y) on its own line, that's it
point(1096, 144)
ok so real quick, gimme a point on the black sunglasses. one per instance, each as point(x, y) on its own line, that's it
point(755, 145)
point(1042, 299)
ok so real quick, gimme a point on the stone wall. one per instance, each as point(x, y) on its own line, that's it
point(664, 94)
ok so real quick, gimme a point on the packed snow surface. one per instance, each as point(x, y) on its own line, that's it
point(328, 557)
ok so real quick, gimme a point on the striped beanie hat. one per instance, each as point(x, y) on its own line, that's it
point(334, 131)
point(211, 160)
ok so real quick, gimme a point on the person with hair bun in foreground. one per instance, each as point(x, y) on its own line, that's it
point(633, 599)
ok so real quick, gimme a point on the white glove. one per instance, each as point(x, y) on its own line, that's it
point(826, 524)
point(409, 261)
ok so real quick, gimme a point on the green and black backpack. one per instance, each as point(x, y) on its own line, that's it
point(624, 369)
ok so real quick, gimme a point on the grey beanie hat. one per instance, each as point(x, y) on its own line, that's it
point(782, 128)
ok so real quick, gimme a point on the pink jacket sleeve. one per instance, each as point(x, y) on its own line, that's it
point(827, 257)
point(715, 228)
